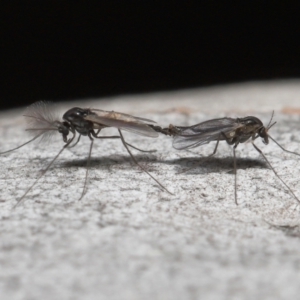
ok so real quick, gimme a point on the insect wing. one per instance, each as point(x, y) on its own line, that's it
point(122, 121)
point(205, 132)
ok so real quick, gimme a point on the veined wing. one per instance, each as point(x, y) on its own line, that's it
point(205, 132)
point(122, 121)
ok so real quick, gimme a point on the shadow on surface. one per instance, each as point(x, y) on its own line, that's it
point(109, 160)
point(198, 165)
point(214, 164)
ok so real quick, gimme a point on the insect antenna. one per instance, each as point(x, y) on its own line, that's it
point(268, 127)
point(34, 138)
point(42, 120)
point(141, 167)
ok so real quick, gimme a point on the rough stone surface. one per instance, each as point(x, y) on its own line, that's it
point(128, 239)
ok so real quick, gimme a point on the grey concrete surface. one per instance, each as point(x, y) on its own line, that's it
point(128, 239)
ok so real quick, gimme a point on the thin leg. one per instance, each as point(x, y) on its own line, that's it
point(282, 147)
point(87, 168)
point(44, 171)
point(265, 158)
point(135, 161)
point(71, 146)
point(95, 134)
point(149, 151)
point(235, 175)
point(255, 137)
point(236, 142)
point(205, 159)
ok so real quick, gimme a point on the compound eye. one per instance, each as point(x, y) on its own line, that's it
point(262, 131)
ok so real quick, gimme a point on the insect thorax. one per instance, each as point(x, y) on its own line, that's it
point(75, 117)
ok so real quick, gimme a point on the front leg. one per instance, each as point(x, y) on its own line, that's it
point(234, 141)
point(96, 135)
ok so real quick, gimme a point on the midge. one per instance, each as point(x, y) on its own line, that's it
point(43, 121)
point(233, 131)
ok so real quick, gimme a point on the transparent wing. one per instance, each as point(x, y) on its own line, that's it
point(122, 121)
point(205, 132)
point(42, 119)
point(121, 116)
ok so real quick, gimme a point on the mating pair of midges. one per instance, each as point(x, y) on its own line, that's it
point(43, 122)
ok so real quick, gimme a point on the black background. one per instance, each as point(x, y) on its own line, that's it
point(59, 50)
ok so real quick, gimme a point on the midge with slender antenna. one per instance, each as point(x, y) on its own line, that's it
point(43, 121)
point(233, 131)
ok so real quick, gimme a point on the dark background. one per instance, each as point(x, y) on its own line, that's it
point(59, 50)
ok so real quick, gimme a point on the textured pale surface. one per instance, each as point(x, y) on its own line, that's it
point(127, 239)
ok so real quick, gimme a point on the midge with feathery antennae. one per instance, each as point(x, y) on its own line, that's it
point(43, 122)
point(233, 131)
